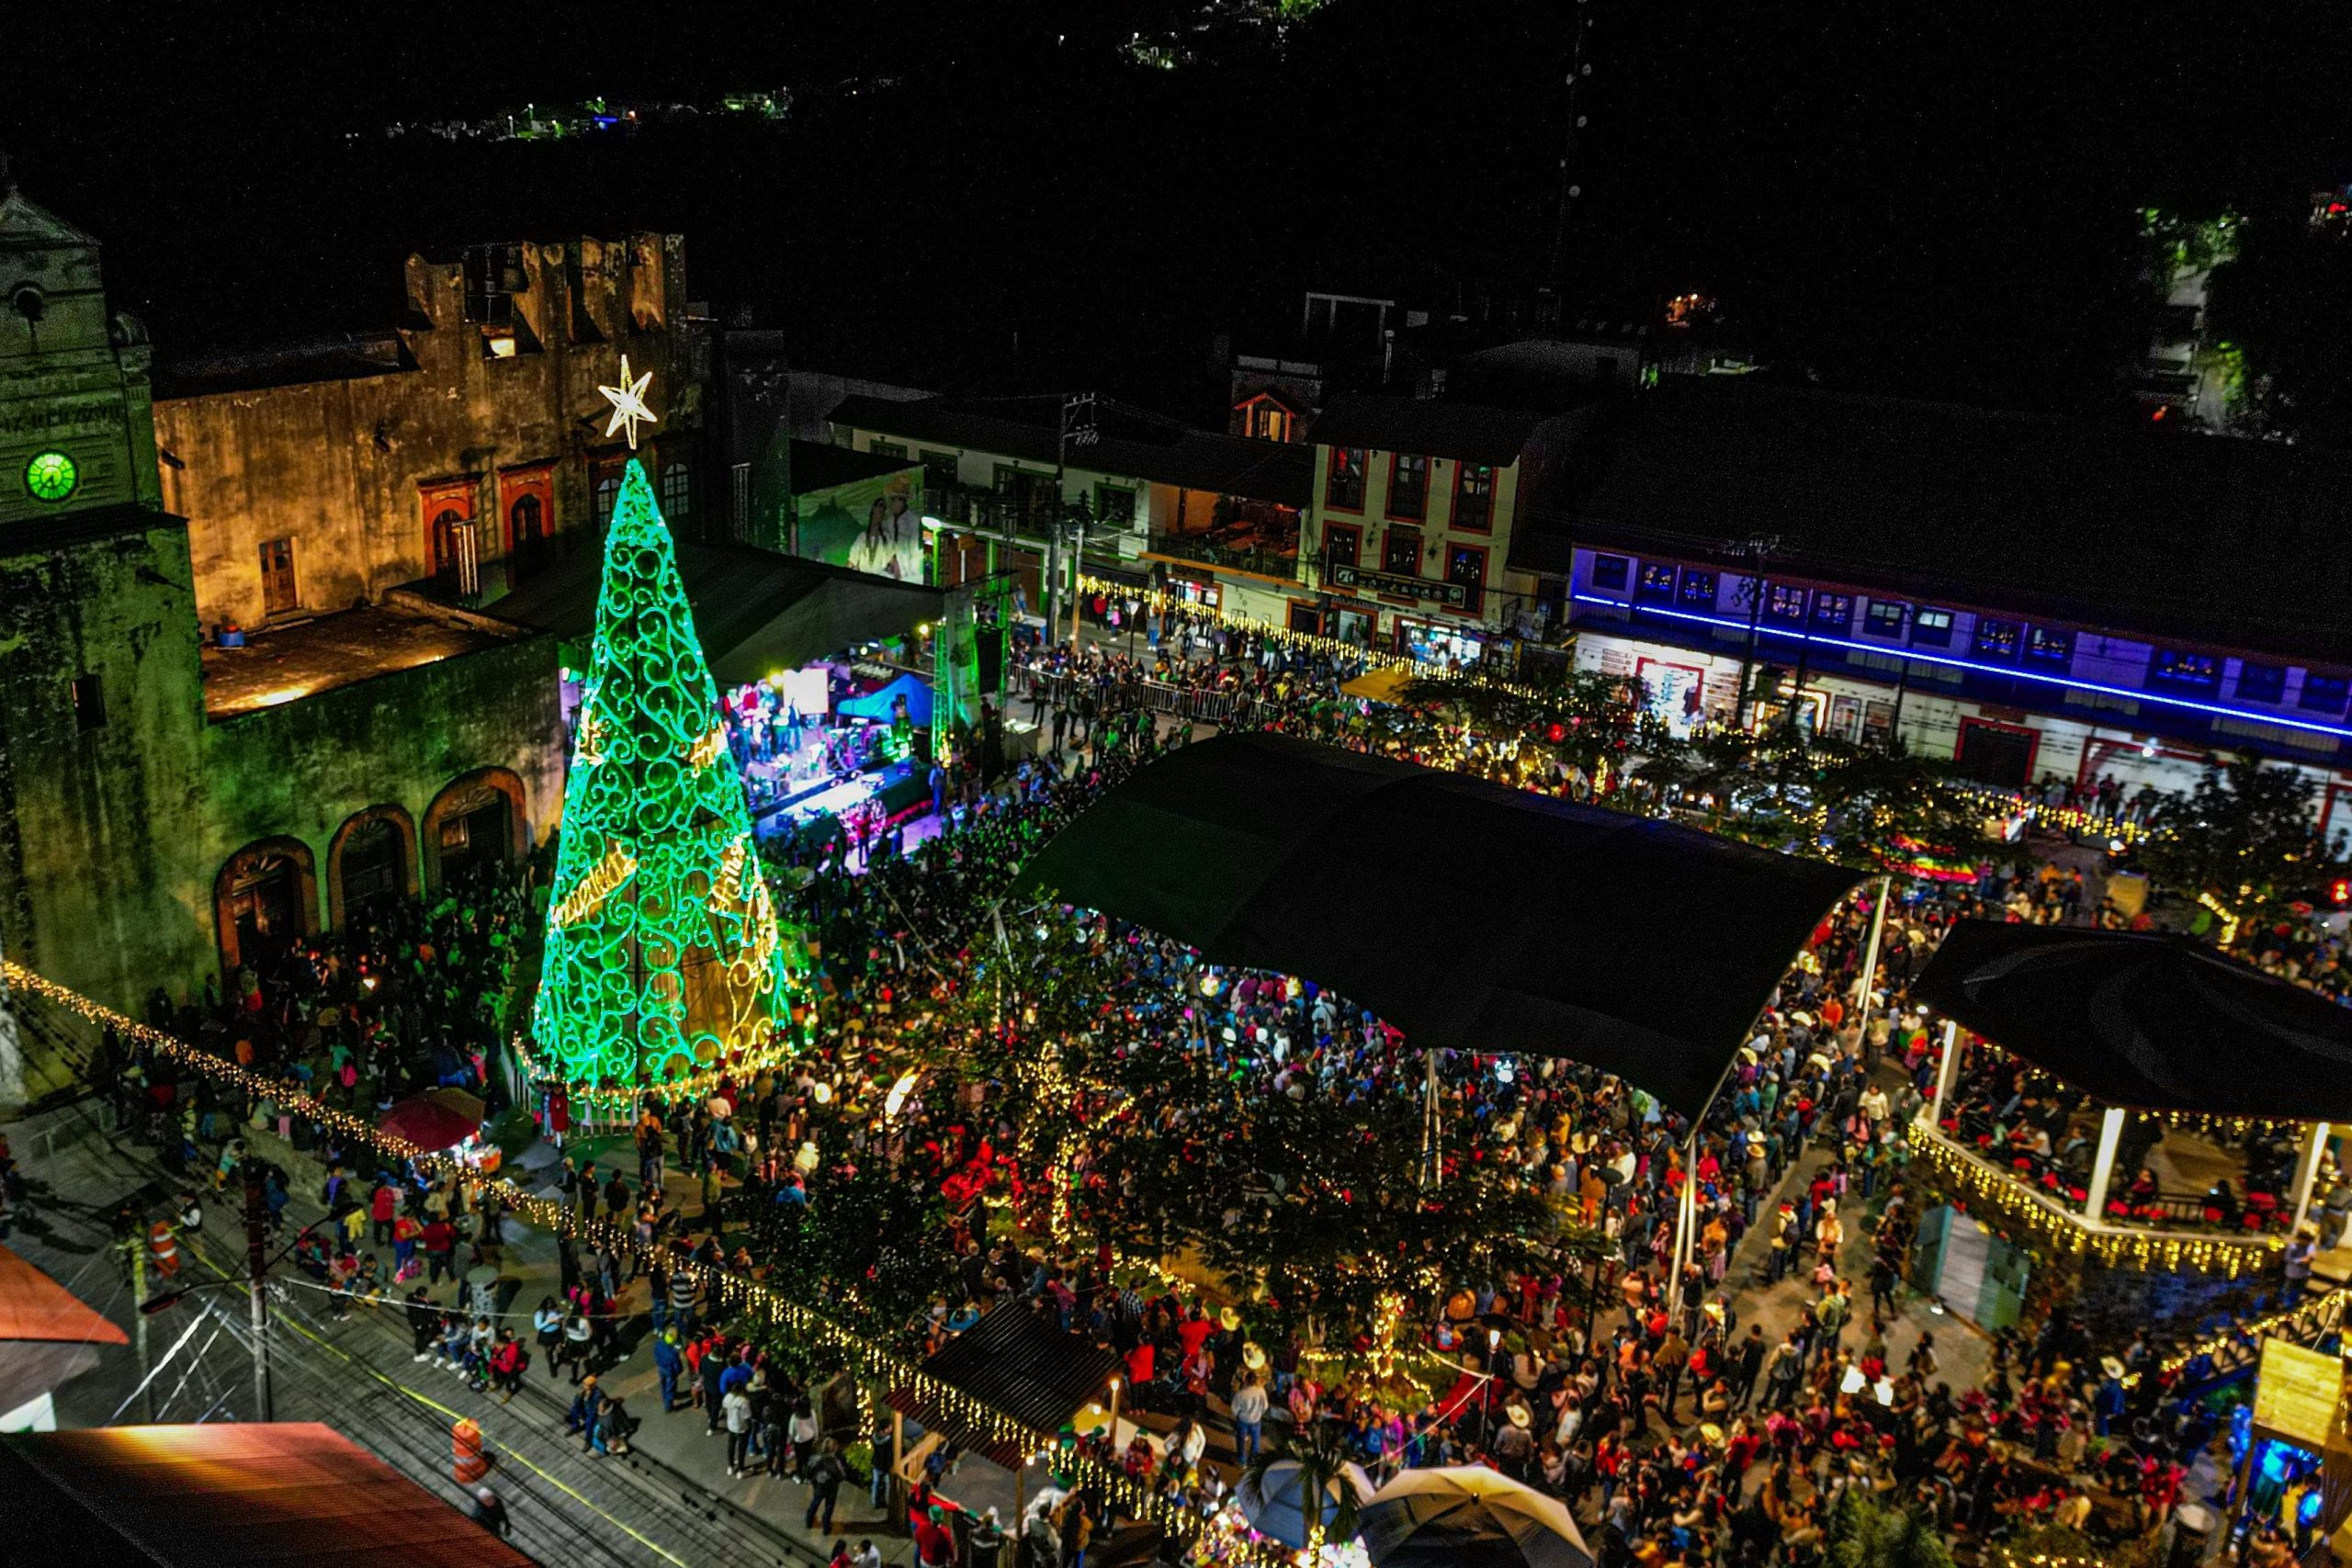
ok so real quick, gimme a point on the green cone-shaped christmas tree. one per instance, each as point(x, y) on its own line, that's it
point(665, 965)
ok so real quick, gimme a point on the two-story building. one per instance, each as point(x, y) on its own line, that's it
point(1214, 517)
point(2028, 595)
point(1408, 542)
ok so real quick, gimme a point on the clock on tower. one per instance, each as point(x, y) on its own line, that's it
point(51, 475)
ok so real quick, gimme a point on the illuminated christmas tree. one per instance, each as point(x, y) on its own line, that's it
point(666, 965)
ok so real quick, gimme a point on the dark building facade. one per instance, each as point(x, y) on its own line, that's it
point(2030, 596)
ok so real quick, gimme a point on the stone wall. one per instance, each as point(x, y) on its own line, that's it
point(113, 833)
point(100, 822)
point(303, 769)
point(348, 467)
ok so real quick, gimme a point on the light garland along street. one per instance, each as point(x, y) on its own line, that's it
point(871, 1363)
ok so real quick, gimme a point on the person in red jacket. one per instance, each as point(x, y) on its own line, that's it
point(507, 1362)
point(440, 1250)
point(383, 1207)
point(935, 1543)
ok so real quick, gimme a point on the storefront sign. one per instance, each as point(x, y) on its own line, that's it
point(1454, 595)
point(2297, 1394)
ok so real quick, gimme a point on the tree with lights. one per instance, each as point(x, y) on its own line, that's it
point(665, 966)
point(2245, 844)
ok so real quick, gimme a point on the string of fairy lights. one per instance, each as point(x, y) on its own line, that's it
point(751, 1296)
point(2070, 818)
point(2025, 1215)
point(2306, 1322)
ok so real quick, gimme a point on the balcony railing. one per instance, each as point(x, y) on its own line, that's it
point(1277, 558)
point(2162, 1233)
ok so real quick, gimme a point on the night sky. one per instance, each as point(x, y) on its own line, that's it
point(1932, 198)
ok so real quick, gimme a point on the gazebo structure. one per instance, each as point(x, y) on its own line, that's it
point(2133, 1122)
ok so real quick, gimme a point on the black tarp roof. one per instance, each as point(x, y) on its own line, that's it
point(2151, 1022)
point(1020, 1364)
point(1470, 916)
point(755, 611)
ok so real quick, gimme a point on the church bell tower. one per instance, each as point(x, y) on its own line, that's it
point(77, 429)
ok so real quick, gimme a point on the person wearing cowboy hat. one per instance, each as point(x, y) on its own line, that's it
point(1226, 1347)
point(1514, 1443)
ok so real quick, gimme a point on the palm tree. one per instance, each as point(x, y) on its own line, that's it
point(1323, 1458)
point(1865, 1533)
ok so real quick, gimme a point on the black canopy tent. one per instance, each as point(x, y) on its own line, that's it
point(1470, 916)
point(1017, 1364)
point(755, 611)
point(2146, 1021)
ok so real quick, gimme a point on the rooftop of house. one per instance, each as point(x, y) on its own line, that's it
point(1129, 444)
point(817, 464)
point(2207, 538)
point(284, 664)
point(1433, 428)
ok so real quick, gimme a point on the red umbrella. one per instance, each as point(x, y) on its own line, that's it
point(438, 1119)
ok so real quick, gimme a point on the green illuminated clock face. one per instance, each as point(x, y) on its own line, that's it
point(51, 476)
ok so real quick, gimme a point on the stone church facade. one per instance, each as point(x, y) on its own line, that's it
point(196, 770)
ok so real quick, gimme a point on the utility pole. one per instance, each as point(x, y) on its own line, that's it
point(135, 1245)
point(1077, 571)
point(1755, 550)
point(257, 1283)
point(1077, 430)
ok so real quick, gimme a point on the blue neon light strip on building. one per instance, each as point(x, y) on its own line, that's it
point(2338, 731)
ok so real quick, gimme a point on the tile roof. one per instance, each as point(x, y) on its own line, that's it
point(234, 1492)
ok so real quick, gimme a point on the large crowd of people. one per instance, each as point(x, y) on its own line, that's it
point(1715, 1418)
point(1681, 1434)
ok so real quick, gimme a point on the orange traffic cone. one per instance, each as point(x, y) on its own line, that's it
point(164, 1249)
point(467, 1463)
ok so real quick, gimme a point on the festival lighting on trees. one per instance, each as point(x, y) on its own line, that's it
point(665, 965)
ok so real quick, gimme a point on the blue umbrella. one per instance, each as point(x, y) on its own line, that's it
point(1274, 1501)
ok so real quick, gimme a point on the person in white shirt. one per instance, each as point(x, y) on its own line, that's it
point(736, 1409)
point(1249, 1416)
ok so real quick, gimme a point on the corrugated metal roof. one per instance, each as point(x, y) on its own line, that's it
point(1019, 1364)
point(2196, 536)
point(756, 612)
point(214, 1495)
point(1127, 446)
point(1430, 427)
